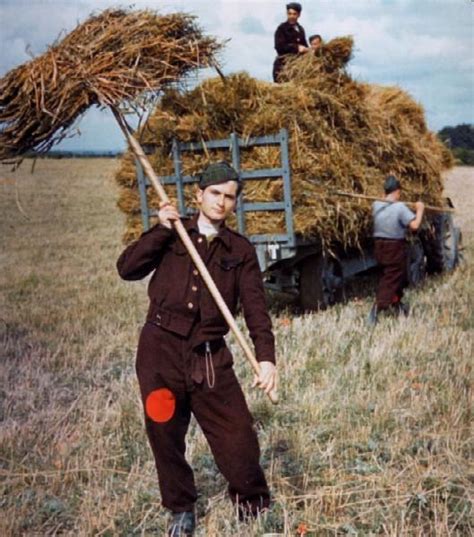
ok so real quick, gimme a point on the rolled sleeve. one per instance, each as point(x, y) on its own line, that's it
point(405, 215)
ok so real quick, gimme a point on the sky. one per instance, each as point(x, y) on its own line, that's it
point(424, 46)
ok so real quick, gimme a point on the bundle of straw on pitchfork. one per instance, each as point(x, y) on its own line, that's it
point(116, 58)
point(113, 58)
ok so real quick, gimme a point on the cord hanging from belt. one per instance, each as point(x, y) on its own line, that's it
point(210, 373)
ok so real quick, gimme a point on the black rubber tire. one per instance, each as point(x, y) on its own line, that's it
point(416, 262)
point(320, 283)
point(441, 244)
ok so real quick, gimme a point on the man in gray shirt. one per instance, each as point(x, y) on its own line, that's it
point(392, 218)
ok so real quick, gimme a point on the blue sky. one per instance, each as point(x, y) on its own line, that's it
point(424, 46)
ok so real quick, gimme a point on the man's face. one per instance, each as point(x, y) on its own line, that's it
point(292, 16)
point(216, 202)
point(315, 44)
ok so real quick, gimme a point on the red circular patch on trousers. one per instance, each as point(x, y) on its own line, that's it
point(160, 405)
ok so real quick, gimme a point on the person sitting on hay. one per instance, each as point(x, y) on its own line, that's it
point(183, 363)
point(315, 43)
point(392, 218)
point(290, 38)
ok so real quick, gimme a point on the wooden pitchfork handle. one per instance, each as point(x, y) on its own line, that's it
point(374, 198)
point(198, 262)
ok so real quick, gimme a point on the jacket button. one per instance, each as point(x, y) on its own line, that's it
point(200, 239)
point(190, 305)
point(194, 288)
point(195, 272)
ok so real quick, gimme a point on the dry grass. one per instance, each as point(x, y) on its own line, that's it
point(371, 436)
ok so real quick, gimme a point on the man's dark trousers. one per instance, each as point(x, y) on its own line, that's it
point(174, 381)
point(391, 255)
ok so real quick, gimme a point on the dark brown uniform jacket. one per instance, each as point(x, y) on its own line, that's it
point(179, 299)
point(287, 40)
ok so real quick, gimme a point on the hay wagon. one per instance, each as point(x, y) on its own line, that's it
point(293, 263)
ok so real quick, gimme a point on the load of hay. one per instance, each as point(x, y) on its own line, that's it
point(344, 135)
point(117, 57)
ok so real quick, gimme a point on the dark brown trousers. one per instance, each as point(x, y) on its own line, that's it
point(391, 255)
point(166, 364)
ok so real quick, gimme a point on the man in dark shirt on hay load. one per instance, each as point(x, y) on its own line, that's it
point(183, 363)
point(392, 218)
point(289, 38)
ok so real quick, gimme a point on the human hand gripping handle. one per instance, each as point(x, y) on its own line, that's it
point(168, 214)
point(267, 378)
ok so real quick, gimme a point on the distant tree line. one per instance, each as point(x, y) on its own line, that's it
point(58, 154)
point(460, 140)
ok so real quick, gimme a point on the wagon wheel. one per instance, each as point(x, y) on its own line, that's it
point(321, 282)
point(442, 244)
point(416, 262)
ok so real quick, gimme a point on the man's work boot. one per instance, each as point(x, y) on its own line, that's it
point(182, 524)
point(372, 319)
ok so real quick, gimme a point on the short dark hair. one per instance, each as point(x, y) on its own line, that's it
point(313, 37)
point(217, 173)
point(294, 5)
point(391, 184)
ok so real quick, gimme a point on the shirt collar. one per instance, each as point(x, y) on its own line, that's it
point(223, 235)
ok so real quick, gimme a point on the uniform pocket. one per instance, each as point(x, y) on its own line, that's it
point(229, 263)
point(226, 274)
point(149, 335)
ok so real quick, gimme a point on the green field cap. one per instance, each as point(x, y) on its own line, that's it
point(216, 173)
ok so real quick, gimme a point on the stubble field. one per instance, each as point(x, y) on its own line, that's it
point(373, 435)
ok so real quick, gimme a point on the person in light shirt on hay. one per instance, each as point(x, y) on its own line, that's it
point(315, 43)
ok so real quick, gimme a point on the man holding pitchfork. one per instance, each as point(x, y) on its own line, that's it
point(183, 363)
